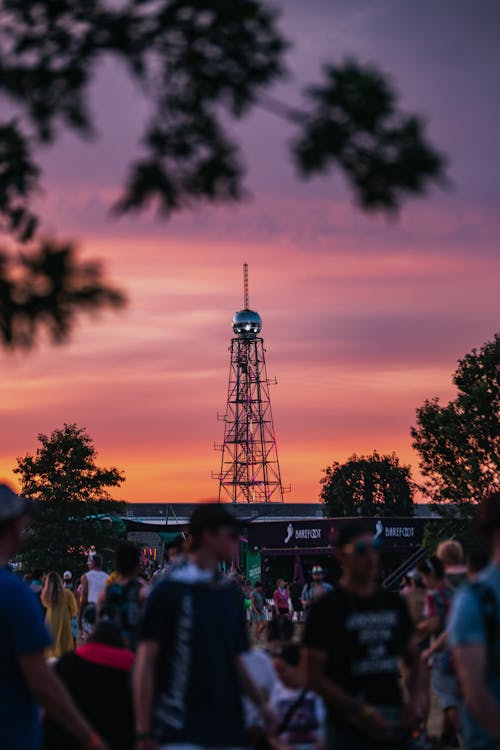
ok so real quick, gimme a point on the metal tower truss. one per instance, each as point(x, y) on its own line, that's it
point(250, 471)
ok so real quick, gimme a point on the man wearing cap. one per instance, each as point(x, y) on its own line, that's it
point(25, 678)
point(316, 588)
point(193, 637)
point(355, 639)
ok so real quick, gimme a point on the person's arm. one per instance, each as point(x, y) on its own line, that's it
point(413, 683)
point(364, 716)
point(143, 693)
point(256, 695)
point(439, 644)
point(83, 599)
point(306, 602)
point(470, 662)
point(429, 626)
point(51, 694)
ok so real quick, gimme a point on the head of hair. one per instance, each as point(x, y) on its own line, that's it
point(127, 559)
point(349, 531)
point(488, 516)
point(108, 633)
point(291, 654)
point(450, 552)
point(53, 589)
point(280, 629)
point(257, 585)
point(97, 560)
point(209, 517)
point(37, 574)
point(432, 566)
point(477, 558)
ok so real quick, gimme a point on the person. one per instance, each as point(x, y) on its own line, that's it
point(443, 677)
point(26, 681)
point(93, 584)
point(123, 599)
point(68, 580)
point(415, 596)
point(315, 589)
point(98, 678)
point(259, 664)
point(36, 585)
point(299, 712)
point(474, 633)
point(477, 560)
point(296, 598)
point(451, 554)
point(60, 605)
point(355, 639)
point(281, 599)
point(190, 673)
point(258, 604)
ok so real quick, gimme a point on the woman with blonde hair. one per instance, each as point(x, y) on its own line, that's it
point(61, 607)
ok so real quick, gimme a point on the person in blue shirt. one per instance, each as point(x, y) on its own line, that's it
point(26, 681)
point(474, 634)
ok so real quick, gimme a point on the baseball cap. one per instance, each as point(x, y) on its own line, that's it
point(67, 575)
point(211, 516)
point(12, 506)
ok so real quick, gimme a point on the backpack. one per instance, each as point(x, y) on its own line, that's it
point(122, 606)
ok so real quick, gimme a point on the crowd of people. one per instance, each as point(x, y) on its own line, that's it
point(190, 660)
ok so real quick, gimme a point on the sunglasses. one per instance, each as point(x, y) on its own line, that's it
point(361, 548)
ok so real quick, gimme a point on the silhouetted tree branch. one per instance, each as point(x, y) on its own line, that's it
point(44, 289)
point(198, 63)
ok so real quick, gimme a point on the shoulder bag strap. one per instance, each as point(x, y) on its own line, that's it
point(289, 714)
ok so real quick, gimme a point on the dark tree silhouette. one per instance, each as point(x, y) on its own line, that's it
point(459, 442)
point(199, 63)
point(371, 485)
point(74, 508)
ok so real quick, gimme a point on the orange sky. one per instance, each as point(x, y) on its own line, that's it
point(363, 318)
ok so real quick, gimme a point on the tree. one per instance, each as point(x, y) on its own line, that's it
point(74, 510)
point(459, 443)
point(371, 485)
point(199, 64)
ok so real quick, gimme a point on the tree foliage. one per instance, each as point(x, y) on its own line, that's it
point(459, 442)
point(373, 485)
point(74, 510)
point(199, 64)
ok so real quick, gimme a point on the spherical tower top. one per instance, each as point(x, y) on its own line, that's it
point(247, 324)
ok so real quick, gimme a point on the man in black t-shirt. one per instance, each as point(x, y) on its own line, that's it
point(192, 639)
point(354, 640)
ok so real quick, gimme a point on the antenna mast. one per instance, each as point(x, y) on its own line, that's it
point(246, 305)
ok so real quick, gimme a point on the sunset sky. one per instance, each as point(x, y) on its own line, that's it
point(363, 317)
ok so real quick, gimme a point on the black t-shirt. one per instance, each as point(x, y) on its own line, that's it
point(201, 628)
point(363, 638)
point(103, 695)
